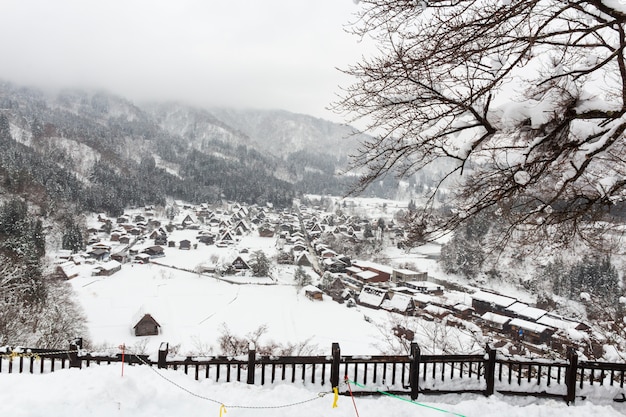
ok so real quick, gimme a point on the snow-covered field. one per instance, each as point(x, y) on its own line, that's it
point(193, 308)
point(144, 391)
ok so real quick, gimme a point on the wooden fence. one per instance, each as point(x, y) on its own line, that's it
point(411, 374)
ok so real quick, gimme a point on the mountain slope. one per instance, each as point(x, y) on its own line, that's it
point(100, 152)
point(281, 132)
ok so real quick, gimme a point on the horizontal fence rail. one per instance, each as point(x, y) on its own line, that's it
point(411, 374)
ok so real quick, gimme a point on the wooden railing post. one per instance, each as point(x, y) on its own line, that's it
point(75, 346)
point(490, 371)
point(334, 367)
point(414, 370)
point(10, 352)
point(251, 363)
point(163, 351)
point(570, 375)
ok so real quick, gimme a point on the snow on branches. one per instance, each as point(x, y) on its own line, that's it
point(527, 99)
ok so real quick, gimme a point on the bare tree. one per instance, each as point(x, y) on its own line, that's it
point(523, 100)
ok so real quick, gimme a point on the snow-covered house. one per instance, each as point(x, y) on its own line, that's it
point(437, 311)
point(372, 296)
point(302, 259)
point(495, 321)
point(298, 247)
point(484, 302)
point(155, 251)
point(99, 254)
point(403, 275)
point(68, 270)
point(463, 311)
point(227, 237)
point(524, 311)
point(107, 269)
point(383, 271)
point(367, 277)
point(400, 303)
point(239, 263)
point(530, 331)
point(425, 287)
point(146, 325)
point(243, 226)
point(313, 293)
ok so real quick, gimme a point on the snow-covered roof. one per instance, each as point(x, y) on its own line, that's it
point(495, 318)
point(557, 322)
point(462, 307)
point(302, 255)
point(69, 268)
point(429, 286)
point(529, 325)
point(311, 288)
point(109, 265)
point(399, 302)
point(422, 298)
point(517, 307)
point(488, 297)
point(532, 313)
point(365, 275)
point(372, 296)
point(378, 267)
point(436, 310)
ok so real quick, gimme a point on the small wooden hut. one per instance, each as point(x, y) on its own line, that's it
point(147, 326)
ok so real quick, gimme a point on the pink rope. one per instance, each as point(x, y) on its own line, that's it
point(351, 395)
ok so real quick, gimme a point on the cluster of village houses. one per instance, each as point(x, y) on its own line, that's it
point(296, 232)
point(414, 293)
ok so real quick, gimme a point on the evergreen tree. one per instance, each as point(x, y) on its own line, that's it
point(72, 237)
point(37, 238)
point(326, 280)
point(465, 252)
point(367, 231)
point(5, 128)
point(596, 276)
point(301, 278)
point(22, 245)
point(260, 264)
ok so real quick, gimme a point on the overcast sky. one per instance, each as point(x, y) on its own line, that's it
point(237, 53)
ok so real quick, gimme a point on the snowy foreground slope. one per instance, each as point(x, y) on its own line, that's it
point(142, 391)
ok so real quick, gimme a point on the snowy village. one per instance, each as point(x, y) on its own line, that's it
point(334, 208)
point(165, 289)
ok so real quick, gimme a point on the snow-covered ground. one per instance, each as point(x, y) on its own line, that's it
point(145, 391)
point(192, 308)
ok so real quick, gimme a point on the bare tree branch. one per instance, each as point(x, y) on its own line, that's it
point(523, 101)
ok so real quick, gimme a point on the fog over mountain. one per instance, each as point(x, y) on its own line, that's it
point(104, 144)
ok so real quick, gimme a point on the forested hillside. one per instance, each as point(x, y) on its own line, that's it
point(98, 152)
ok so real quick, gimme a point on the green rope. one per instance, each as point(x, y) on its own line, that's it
point(408, 401)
